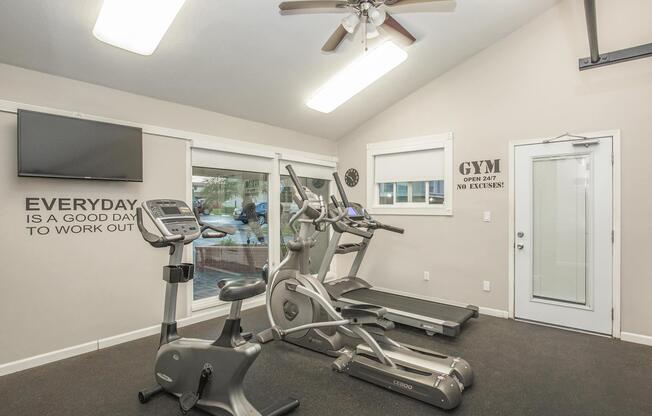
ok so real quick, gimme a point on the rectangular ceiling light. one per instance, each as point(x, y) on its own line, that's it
point(136, 25)
point(357, 76)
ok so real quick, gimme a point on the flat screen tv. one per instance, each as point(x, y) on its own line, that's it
point(54, 146)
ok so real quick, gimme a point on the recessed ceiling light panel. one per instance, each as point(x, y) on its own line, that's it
point(357, 76)
point(136, 25)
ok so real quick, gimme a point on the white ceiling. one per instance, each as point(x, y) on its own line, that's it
point(242, 58)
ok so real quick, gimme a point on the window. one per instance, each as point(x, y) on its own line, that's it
point(411, 192)
point(408, 177)
point(386, 193)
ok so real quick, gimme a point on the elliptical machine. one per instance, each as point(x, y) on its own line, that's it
point(300, 312)
point(203, 374)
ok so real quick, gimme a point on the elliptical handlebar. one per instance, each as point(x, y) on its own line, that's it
point(297, 184)
point(340, 189)
point(341, 212)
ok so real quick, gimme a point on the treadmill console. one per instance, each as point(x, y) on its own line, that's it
point(173, 217)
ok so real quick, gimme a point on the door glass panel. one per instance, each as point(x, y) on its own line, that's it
point(237, 199)
point(561, 224)
point(321, 188)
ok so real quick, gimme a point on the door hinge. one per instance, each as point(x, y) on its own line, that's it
point(613, 159)
point(613, 236)
point(612, 314)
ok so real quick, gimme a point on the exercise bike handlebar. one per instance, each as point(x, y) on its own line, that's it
point(221, 229)
point(340, 189)
point(297, 184)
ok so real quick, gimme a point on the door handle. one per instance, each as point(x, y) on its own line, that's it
point(520, 246)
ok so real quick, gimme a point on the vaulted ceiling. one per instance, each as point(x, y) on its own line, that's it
point(242, 58)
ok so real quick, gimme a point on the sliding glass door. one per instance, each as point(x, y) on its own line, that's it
point(252, 194)
point(238, 199)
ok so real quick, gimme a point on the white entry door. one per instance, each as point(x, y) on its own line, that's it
point(563, 224)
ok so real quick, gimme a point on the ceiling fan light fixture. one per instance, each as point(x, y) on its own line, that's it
point(372, 31)
point(135, 25)
point(357, 76)
point(377, 16)
point(350, 22)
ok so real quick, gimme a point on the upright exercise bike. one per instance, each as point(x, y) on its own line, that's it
point(300, 312)
point(203, 374)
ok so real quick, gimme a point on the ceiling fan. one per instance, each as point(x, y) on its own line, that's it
point(371, 15)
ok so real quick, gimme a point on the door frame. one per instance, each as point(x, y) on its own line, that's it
point(615, 134)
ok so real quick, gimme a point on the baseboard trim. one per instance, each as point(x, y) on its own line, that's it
point(636, 338)
point(127, 336)
point(75, 350)
point(49, 357)
point(482, 310)
point(498, 313)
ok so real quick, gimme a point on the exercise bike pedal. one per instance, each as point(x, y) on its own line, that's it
point(187, 401)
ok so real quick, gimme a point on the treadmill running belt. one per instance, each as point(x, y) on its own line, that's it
point(430, 309)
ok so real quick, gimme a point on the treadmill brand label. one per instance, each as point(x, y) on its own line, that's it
point(62, 216)
point(481, 174)
point(403, 385)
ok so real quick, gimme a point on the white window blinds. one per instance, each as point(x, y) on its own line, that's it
point(307, 170)
point(234, 161)
point(421, 165)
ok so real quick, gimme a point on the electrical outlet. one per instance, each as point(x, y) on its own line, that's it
point(486, 216)
point(486, 286)
point(426, 276)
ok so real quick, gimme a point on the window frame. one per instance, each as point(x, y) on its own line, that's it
point(437, 141)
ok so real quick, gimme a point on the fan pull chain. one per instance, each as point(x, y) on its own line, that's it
point(364, 22)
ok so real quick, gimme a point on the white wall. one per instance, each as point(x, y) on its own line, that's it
point(526, 86)
point(60, 291)
point(36, 88)
point(64, 290)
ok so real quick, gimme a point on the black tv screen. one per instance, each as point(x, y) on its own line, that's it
point(64, 147)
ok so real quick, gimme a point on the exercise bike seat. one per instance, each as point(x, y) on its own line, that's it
point(238, 289)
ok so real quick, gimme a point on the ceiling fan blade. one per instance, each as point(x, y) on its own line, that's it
point(395, 28)
point(307, 4)
point(417, 6)
point(336, 38)
point(406, 2)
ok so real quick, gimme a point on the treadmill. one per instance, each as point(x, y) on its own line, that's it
point(432, 317)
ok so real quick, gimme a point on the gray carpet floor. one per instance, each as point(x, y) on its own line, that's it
point(520, 369)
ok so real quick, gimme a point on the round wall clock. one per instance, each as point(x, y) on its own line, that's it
point(351, 177)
